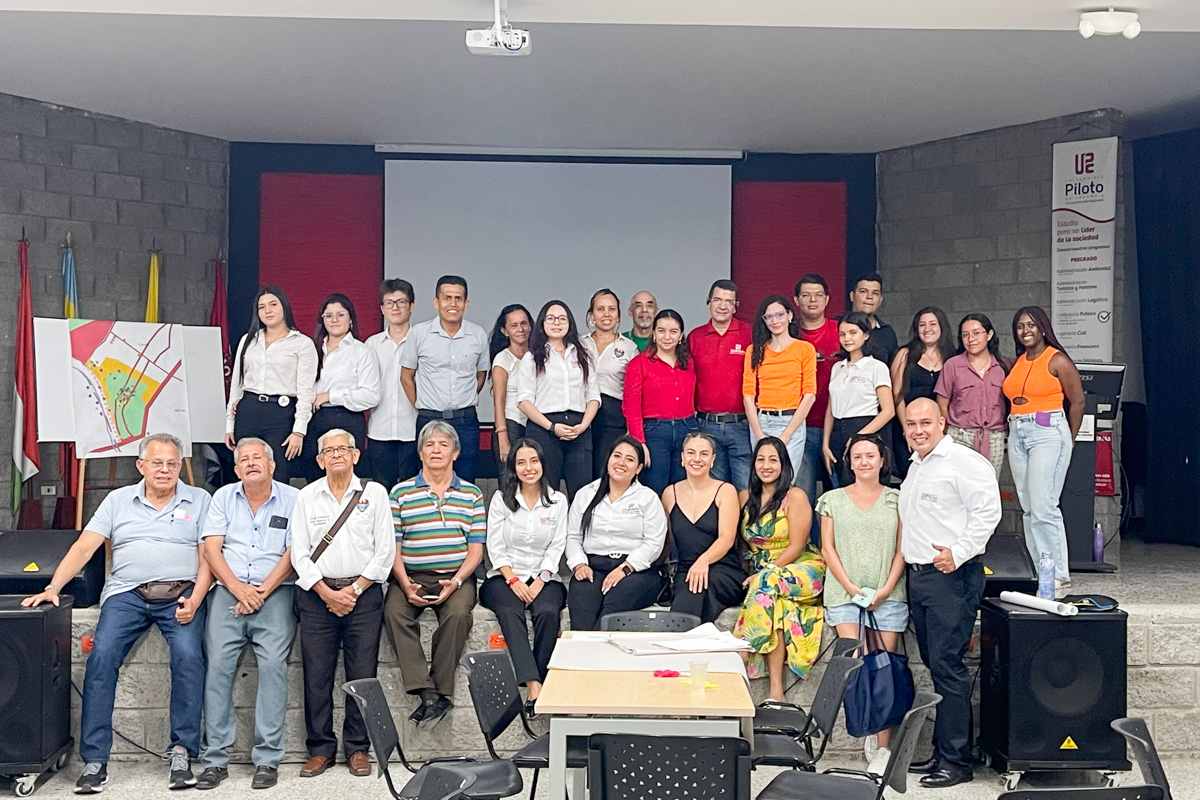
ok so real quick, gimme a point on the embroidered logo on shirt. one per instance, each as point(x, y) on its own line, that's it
point(737, 350)
point(363, 504)
point(181, 514)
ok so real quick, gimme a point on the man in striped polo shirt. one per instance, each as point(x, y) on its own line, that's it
point(440, 530)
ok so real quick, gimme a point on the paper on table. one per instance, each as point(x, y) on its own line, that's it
point(1029, 601)
point(723, 642)
point(589, 654)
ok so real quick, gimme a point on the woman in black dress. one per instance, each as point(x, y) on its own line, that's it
point(702, 514)
point(916, 369)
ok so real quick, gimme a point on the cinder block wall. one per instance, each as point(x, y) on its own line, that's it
point(964, 224)
point(119, 187)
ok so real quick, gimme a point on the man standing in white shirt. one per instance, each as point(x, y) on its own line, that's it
point(949, 507)
point(341, 605)
point(391, 429)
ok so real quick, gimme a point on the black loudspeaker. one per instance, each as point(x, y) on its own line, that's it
point(35, 684)
point(28, 560)
point(1050, 686)
point(1007, 566)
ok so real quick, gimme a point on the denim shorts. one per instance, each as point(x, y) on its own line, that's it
point(892, 615)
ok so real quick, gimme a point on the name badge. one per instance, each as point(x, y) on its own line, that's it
point(932, 499)
point(278, 522)
point(318, 520)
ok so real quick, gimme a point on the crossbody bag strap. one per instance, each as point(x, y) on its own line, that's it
point(327, 539)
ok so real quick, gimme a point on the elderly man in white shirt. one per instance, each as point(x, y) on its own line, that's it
point(949, 507)
point(341, 605)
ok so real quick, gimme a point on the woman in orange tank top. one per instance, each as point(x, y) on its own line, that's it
point(1046, 398)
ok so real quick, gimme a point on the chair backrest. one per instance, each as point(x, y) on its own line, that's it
point(494, 693)
point(904, 741)
point(1090, 793)
point(649, 621)
point(381, 728)
point(1137, 736)
point(628, 767)
point(444, 782)
point(827, 702)
point(843, 646)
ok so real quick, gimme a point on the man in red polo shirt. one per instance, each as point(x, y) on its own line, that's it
point(812, 298)
point(719, 349)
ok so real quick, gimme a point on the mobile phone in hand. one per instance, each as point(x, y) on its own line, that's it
point(863, 599)
point(430, 597)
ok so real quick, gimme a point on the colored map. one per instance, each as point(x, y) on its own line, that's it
point(128, 382)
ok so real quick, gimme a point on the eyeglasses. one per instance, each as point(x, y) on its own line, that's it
point(777, 316)
point(334, 316)
point(401, 303)
point(724, 301)
point(556, 319)
point(157, 465)
point(812, 296)
point(337, 450)
point(974, 334)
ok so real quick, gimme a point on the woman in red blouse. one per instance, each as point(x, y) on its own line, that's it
point(660, 400)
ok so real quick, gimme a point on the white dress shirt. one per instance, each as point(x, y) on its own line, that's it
point(634, 526)
point(561, 386)
point(510, 364)
point(528, 540)
point(394, 418)
point(610, 365)
point(366, 544)
point(287, 367)
point(950, 498)
point(351, 376)
point(852, 386)
point(446, 365)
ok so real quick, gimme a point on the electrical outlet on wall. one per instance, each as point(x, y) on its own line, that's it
point(49, 490)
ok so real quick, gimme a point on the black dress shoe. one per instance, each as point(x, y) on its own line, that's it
point(264, 777)
point(946, 777)
point(926, 767)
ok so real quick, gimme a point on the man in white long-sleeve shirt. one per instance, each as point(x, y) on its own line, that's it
point(949, 507)
point(341, 602)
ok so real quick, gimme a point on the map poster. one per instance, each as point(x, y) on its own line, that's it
point(1082, 246)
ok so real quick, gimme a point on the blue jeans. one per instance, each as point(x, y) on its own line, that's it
point(664, 439)
point(467, 428)
point(772, 425)
point(733, 451)
point(269, 632)
point(1039, 456)
point(123, 619)
point(812, 470)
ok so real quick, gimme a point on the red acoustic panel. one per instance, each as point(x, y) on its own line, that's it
point(782, 230)
point(320, 234)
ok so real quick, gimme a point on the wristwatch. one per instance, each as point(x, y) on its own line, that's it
point(628, 568)
point(357, 590)
point(545, 575)
point(457, 582)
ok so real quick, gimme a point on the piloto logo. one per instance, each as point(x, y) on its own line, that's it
point(1085, 164)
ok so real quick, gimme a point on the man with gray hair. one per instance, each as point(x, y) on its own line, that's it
point(246, 544)
point(342, 550)
point(440, 530)
point(159, 577)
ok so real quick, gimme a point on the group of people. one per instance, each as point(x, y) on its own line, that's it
point(656, 466)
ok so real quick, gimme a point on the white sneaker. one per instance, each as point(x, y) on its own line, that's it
point(870, 747)
point(879, 761)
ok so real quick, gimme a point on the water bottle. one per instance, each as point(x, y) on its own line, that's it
point(1045, 577)
point(1098, 543)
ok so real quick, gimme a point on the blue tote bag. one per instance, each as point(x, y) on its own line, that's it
point(881, 693)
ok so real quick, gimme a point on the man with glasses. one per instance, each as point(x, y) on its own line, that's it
point(159, 577)
point(811, 295)
point(718, 348)
point(341, 601)
point(391, 428)
point(443, 367)
point(246, 545)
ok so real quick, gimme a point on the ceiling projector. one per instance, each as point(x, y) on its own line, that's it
point(502, 39)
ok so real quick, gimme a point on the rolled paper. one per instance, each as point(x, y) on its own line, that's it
point(1029, 601)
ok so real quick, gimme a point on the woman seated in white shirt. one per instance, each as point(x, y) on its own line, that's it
point(526, 536)
point(615, 537)
point(271, 389)
point(347, 380)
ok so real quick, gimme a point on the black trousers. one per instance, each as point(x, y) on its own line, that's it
point(323, 635)
point(943, 609)
point(546, 610)
point(843, 429)
point(392, 461)
point(270, 422)
point(587, 604)
point(564, 460)
point(326, 419)
point(608, 425)
point(725, 590)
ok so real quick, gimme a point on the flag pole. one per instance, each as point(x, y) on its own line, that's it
point(79, 496)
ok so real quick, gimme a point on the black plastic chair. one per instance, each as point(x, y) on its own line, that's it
point(1137, 736)
point(777, 716)
point(783, 749)
point(1090, 793)
point(853, 784)
point(497, 701)
point(446, 783)
point(493, 779)
point(628, 767)
point(649, 622)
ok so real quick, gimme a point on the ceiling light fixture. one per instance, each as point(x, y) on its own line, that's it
point(1109, 23)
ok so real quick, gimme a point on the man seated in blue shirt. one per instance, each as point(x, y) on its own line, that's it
point(246, 540)
point(158, 578)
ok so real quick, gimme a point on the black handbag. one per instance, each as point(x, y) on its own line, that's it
point(881, 693)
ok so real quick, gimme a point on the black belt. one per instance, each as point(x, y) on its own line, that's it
point(721, 418)
point(283, 400)
point(669, 419)
point(454, 413)
point(785, 412)
point(927, 567)
point(337, 584)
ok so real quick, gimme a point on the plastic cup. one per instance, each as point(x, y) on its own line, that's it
point(698, 671)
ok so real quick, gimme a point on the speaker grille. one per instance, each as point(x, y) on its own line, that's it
point(20, 689)
point(1066, 676)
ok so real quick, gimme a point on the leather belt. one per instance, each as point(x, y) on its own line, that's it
point(721, 418)
point(783, 412)
point(453, 413)
point(337, 584)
